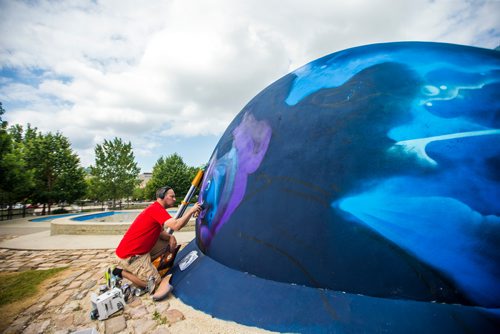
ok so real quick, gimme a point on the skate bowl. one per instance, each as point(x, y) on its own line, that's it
point(101, 223)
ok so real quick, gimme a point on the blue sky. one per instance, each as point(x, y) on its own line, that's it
point(169, 76)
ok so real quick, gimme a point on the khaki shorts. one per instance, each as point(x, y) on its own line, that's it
point(140, 266)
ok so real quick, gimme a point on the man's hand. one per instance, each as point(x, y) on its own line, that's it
point(196, 209)
point(172, 242)
point(177, 223)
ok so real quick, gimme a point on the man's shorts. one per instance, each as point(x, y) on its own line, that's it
point(140, 266)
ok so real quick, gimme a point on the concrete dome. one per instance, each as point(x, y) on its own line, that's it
point(373, 171)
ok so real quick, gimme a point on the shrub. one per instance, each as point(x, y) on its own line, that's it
point(59, 211)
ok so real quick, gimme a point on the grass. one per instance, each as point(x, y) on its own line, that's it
point(20, 290)
point(16, 286)
point(159, 319)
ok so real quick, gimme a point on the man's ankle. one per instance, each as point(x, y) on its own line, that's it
point(117, 272)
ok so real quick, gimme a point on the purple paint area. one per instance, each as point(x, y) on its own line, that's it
point(225, 181)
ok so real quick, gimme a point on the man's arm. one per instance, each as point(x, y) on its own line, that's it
point(177, 223)
point(165, 236)
point(170, 238)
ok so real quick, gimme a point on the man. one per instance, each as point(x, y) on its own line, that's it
point(146, 239)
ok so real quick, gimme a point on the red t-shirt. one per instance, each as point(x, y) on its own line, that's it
point(142, 235)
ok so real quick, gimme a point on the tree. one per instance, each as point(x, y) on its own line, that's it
point(39, 167)
point(171, 171)
point(3, 124)
point(58, 174)
point(5, 140)
point(16, 179)
point(96, 190)
point(138, 194)
point(114, 175)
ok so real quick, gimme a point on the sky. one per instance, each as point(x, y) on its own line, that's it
point(169, 76)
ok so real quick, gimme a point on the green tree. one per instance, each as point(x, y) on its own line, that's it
point(5, 142)
point(96, 191)
point(58, 174)
point(114, 175)
point(138, 194)
point(3, 124)
point(16, 179)
point(171, 171)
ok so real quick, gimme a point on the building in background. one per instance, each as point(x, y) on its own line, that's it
point(144, 177)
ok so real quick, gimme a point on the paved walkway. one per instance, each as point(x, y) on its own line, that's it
point(65, 306)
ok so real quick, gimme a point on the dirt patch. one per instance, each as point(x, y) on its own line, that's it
point(9, 312)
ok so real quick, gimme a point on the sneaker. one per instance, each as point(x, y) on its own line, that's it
point(151, 285)
point(112, 281)
point(140, 291)
point(107, 277)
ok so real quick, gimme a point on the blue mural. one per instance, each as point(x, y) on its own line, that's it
point(226, 177)
point(372, 172)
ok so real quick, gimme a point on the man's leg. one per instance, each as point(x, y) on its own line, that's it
point(158, 249)
point(145, 268)
point(134, 279)
point(138, 270)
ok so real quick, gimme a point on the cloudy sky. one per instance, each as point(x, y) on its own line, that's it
point(169, 76)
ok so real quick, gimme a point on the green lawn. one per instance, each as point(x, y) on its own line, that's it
point(17, 286)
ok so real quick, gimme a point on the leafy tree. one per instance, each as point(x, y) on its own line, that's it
point(96, 191)
point(39, 167)
point(3, 124)
point(171, 171)
point(114, 175)
point(17, 132)
point(58, 174)
point(139, 194)
point(16, 179)
point(5, 139)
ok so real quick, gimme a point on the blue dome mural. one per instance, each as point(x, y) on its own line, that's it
point(370, 176)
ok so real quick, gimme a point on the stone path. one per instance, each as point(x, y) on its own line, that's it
point(65, 306)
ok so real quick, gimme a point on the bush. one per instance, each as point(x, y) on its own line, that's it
point(59, 211)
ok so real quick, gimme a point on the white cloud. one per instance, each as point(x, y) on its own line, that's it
point(95, 70)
